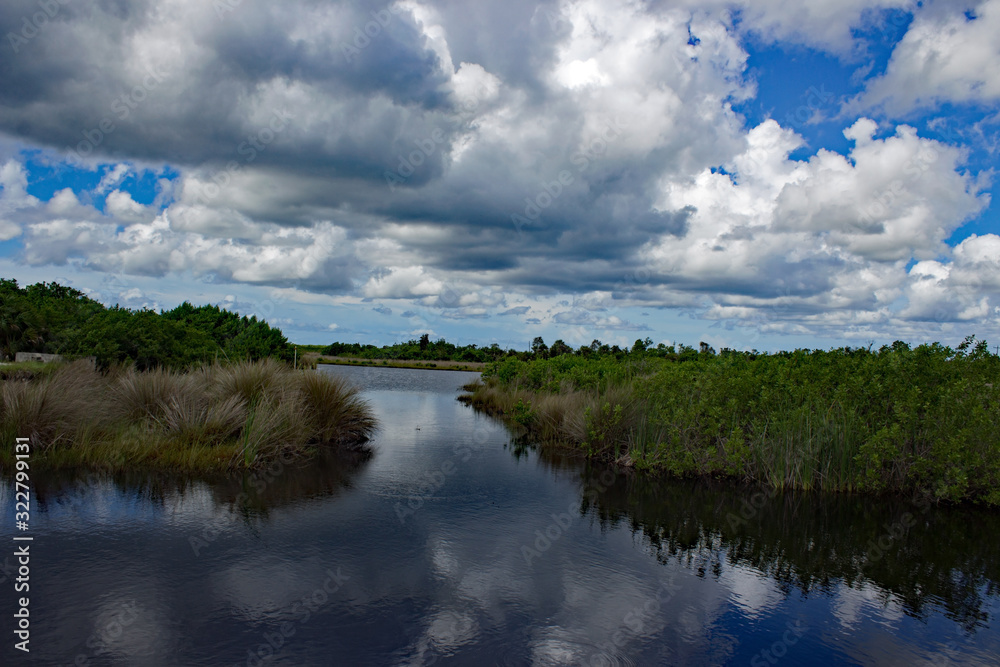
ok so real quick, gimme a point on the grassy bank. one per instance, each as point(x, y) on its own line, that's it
point(896, 419)
point(210, 419)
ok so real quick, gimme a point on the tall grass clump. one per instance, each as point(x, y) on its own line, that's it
point(333, 408)
point(889, 420)
point(250, 381)
point(53, 407)
point(241, 415)
point(141, 395)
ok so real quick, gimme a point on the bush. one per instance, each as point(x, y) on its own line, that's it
point(894, 419)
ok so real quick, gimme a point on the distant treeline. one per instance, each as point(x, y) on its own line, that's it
point(55, 319)
point(441, 350)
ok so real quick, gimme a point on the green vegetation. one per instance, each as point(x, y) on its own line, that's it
point(52, 318)
point(891, 420)
point(311, 361)
point(213, 418)
point(421, 350)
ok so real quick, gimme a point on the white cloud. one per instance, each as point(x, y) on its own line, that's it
point(944, 57)
point(810, 245)
point(818, 23)
point(402, 282)
point(113, 178)
point(121, 205)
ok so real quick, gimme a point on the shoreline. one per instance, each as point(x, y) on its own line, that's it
point(466, 366)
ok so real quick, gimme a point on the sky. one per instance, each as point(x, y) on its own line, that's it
point(756, 175)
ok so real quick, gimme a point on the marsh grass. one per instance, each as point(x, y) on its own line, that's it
point(51, 408)
point(211, 418)
point(894, 420)
point(336, 413)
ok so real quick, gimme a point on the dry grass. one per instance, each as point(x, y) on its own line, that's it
point(145, 395)
point(52, 408)
point(562, 416)
point(209, 422)
point(272, 427)
point(252, 382)
point(603, 422)
point(241, 415)
point(336, 411)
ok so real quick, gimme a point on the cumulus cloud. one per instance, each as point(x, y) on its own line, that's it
point(949, 54)
point(465, 158)
point(799, 242)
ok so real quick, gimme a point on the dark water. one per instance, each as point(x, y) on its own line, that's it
point(450, 544)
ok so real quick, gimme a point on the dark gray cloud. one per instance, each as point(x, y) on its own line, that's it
point(352, 107)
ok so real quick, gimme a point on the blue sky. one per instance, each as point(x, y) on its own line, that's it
point(755, 175)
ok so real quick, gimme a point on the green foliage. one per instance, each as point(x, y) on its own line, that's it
point(847, 419)
point(522, 414)
point(52, 318)
point(419, 350)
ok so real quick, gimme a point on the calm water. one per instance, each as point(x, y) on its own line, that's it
point(452, 544)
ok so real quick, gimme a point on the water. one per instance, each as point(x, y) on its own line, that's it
point(452, 544)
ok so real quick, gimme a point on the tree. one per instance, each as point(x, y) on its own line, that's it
point(559, 347)
point(425, 340)
point(539, 348)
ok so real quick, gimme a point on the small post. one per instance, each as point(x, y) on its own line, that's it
point(295, 362)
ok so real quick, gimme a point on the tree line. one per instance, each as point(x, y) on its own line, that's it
point(423, 349)
point(57, 319)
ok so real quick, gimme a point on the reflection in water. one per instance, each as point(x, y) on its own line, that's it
point(447, 543)
point(252, 494)
point(922, 556)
